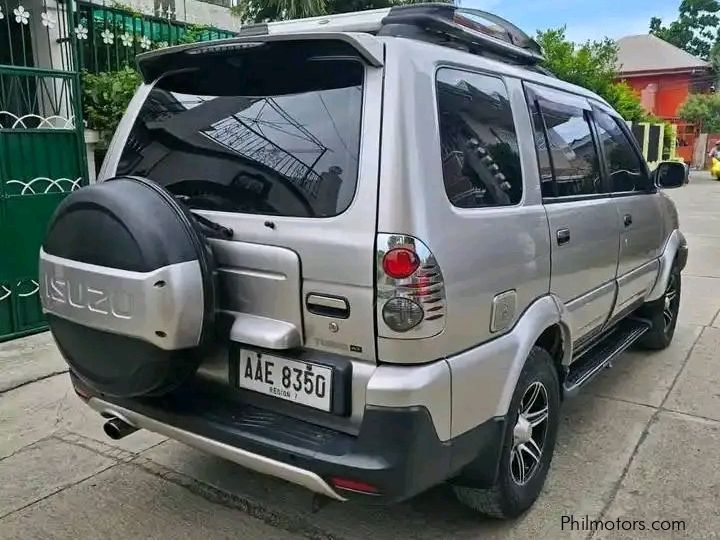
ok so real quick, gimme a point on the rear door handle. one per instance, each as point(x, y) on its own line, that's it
point(328, 305)
point(627, 220)
point(563, 236)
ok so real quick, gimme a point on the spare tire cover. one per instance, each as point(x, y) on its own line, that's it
point(128, 287)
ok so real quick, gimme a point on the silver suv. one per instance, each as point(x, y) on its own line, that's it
point(366, 254)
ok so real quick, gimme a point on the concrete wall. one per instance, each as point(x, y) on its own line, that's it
point(197, 12)
point(190, 11)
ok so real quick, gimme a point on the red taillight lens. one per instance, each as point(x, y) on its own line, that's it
point(353, 485)
point(400, 263)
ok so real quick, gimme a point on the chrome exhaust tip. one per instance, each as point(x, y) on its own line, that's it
point(116, 429)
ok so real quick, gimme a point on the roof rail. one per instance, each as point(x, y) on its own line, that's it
point(356, 21)
point(476, 31)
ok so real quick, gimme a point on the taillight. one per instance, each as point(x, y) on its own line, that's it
point(402, 314)
point(410, 289)
point(400, 263)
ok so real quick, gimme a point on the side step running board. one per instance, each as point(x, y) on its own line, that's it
point(591, 361)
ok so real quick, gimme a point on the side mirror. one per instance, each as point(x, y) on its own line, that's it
point(671, 174)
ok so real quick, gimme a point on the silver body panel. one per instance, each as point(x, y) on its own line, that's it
point(127, 303)
point(260, 283)
point(482, 252)
point(584, 269)
point(470, 368)
point(633, 286)
point(641, 243)
point(484, 378)
point(264, 332)
point(590, 311)
point(428, 386)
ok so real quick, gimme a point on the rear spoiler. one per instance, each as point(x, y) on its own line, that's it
point(156, 63)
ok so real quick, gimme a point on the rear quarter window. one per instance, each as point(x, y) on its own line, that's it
point(276, 133)
point(479, 147)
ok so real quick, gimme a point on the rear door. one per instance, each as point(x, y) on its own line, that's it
point(581, 215)
point(639, 212)
point(279, 142)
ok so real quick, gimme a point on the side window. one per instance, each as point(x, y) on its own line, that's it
point(573, 156)
point(480, 160)
point(543, 155)
point(625, 168)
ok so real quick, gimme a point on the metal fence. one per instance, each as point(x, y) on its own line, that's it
point(42, 155)
point(110, 37)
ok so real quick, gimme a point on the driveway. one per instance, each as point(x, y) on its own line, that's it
point(641, 443)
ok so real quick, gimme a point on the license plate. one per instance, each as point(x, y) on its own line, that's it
point(300, 382)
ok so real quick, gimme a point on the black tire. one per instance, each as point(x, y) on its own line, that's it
point(663, 314)
point(509, 498)
point(137, 226)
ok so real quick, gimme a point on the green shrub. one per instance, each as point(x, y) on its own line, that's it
point(702, 109)
point(106, 96)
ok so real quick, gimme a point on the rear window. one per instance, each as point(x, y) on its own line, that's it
point(275, 132)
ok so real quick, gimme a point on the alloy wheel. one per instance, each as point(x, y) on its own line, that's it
point(672, 303)
point(529, 433)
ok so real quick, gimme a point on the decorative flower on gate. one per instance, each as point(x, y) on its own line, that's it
point(81, 32)
point(163, 44)
point(126, 39)
point(144, 42)
point(107, 36)
point(48, 20)
point(22, 15)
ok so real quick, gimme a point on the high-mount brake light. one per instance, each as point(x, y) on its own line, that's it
point(221, 48)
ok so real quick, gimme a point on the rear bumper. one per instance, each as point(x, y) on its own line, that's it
point(397, 450)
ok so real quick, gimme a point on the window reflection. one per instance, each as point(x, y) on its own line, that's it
point(294, 154)
point(481, 165)
point(626, 170)
point(574, 157)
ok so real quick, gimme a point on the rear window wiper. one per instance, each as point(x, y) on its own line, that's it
point(209, 227)
point(215, 230)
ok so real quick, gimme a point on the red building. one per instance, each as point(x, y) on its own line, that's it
point(663, 76)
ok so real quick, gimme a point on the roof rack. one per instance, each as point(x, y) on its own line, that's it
point(473, 30)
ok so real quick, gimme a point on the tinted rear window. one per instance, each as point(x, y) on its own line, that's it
point(260, 134)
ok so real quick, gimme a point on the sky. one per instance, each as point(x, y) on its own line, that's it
point(585, 19)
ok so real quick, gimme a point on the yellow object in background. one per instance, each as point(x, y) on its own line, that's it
point(715, 168)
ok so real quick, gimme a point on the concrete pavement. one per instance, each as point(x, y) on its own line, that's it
point(641, 443)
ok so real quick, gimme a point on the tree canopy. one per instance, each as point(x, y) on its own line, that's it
point(702, 109)
point(696, 30)
point(592, 65)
